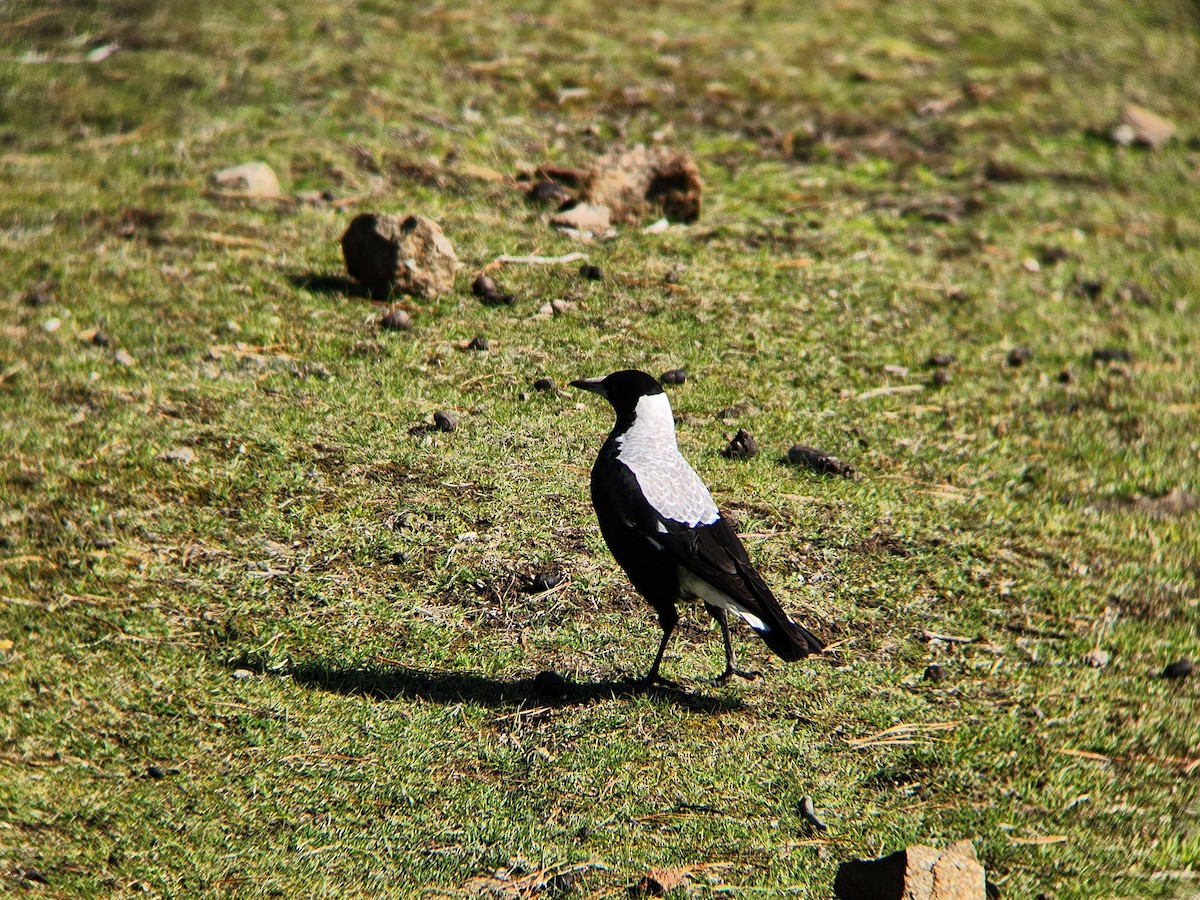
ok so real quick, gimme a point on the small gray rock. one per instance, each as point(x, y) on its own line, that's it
point(396, 320)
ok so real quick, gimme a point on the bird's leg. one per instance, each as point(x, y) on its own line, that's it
point(668, 619)
point(731, 668)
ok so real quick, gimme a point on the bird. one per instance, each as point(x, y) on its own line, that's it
point(664, 528)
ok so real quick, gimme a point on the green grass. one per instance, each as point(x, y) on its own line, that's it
point(314, 632)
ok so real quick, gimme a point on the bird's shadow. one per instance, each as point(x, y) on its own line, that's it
point(546, 689)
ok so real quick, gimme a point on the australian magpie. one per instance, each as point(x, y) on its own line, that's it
point(663, 528)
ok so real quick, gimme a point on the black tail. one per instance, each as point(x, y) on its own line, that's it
point(790, 640)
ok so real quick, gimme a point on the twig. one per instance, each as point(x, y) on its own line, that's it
point(540, 260)
point(890, 389)
point(928, 636)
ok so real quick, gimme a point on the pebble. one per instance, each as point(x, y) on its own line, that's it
point(396, 320)
point(479, 343)
point(543, 384)
point(673, 376)
point(124, 358)
point(445, 421)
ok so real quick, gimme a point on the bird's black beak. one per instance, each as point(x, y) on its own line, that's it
point(595, 385)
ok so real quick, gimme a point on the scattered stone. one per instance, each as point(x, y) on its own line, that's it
point(633, 183)
point(241, 674)
point(40, 294)
point(479, 344)
point(396, 319)
point(809, 812)
point(591, 273)
point(124, 358)
point(934, 673)
point(543, 384)
point(673, 376)
point(1132, 292)
point(548, 193)
point(587, 217)
point(742, 446)
point(819, 461)
point(561, 307)
point(52, 325)
point(542, 582)
point(941, 360)
point(1139, 126)
point(657, 227)
point(487, 291)
point(155, 772)
point(444, 421)
point(674, 275)
point(1103, 355)
point(915, 873)
point(412, 255)
point(1029, 264)
point(1089, 288)
point(1181, 668)
point(185, 456)
point(660, 882)
point(1066, 376)
point(100, 339)
point(1097, 658)
point(254, 179)
point(1018, 356)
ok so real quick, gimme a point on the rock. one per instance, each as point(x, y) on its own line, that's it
point(396, 319)
point(588, 217)
point(934, 673)
point(1018, 356)
point(124, 358)
point(548, 193)
point(155, 772)
point(542, 582)
point(444, 421)
point(412, 255)
point(742, 446)
point(673, 376)
point(487, 291)
point(915, 873)
point(185, 456)
point(1097, 658)
point(819, 461)
point(660, 882)
point(633, 183)
point(479, 344)
point(561, 307)
point(1142, 127)
point(254, 179)
point(1181, 668)
point(100, 339)
point(543, 384)
point(52, 325)
point(591, 273)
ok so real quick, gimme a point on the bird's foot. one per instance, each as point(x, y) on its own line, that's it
point(730, 671)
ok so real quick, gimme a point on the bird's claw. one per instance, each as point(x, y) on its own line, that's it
point(740, 673)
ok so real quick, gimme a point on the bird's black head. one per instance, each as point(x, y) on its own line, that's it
point(622, 389)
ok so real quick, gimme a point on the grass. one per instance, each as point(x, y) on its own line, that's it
point(302, 664)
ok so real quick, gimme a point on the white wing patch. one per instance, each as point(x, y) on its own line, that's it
point(668, 483)
point(695, 586)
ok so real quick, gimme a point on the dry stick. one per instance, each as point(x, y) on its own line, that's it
point(538, 260)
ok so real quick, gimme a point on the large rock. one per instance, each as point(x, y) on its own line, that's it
point(645, 179)
point(915, 873)
point(254, 179)
point(411, 255)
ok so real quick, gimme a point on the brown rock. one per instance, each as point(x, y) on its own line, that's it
point(1142, 127)
point(396, 320)
point(645, 179)
point(412, 255)
point(584, 217)
point(254, 179)
point(916, 873)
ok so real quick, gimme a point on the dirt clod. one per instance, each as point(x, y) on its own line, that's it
point(1181, 668)
point(100, 339)
point(1018, 356)
point(645, 179)
point(412, 255)
point(934, 673)
point(489, 293)
point(396, 320)
point(741, 446)
point(819, 461)
point(543, 384)
point(673, 376)
point(591, 273)
point(444, 421)
point(479, 343)
point(915, 873)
